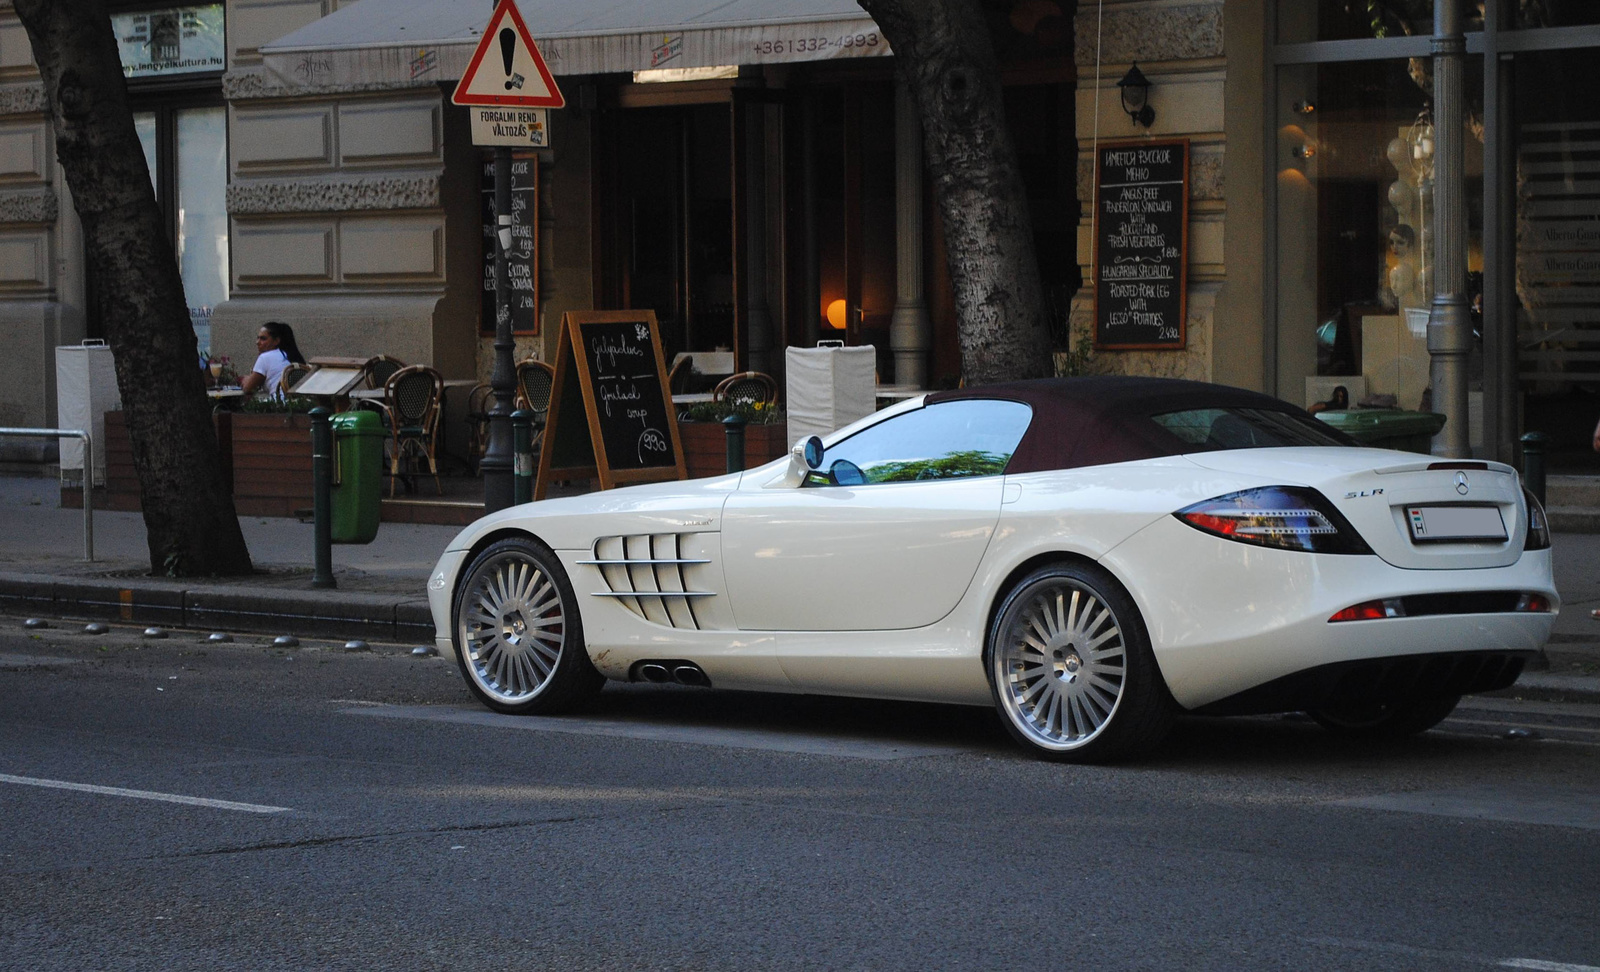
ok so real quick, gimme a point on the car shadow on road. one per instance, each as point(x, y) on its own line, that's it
point(1277, 742)
point(955, 726)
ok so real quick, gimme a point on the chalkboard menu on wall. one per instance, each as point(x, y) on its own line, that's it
point(610, 371)
point(524, 262)
point(1141, 244)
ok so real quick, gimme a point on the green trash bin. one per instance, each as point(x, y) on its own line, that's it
point(357, 476)
point(1387, 428)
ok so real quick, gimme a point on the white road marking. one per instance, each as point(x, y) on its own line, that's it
point(142, 794)
point(34, 661)
point(1458, 958)
point(1551, 806)
point(770, 740)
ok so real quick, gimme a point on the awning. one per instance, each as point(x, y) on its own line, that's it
point(379, 42)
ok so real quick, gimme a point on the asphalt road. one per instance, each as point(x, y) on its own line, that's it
point(176, 805)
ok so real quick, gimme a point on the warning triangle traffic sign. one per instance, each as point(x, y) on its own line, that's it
point(507, 68)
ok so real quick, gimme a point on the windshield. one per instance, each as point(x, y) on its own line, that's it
point(1209, 429)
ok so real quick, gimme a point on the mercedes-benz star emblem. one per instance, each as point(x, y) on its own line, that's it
point(1461, 483)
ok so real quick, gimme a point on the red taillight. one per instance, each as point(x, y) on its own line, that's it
point(1287, 517)
point(1372, 611)
point(1225, 525)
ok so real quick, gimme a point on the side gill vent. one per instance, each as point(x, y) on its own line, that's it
point(651, 575)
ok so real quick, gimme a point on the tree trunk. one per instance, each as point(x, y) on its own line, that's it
point(943, 54)
point(188, 513)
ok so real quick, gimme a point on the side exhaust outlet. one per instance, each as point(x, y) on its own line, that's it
point(690, 675)
point(655, 672)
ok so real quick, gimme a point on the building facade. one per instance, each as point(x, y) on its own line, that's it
point(757, 183)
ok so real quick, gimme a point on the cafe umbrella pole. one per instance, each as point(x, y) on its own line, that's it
point(497, 458)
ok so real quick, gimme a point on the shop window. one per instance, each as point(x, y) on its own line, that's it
point(1355, 193)
point(1300, 21)
point(173, 58)
point(1555, 261)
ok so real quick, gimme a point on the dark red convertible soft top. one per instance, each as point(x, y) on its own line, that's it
point(1096, 420)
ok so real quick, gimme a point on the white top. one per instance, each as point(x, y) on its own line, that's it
point(270, 365)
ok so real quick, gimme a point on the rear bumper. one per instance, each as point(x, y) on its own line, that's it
point(1377, 680)
point(1226, 617)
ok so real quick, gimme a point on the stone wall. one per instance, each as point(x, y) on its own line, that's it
point(337, 221)
point(41, 284)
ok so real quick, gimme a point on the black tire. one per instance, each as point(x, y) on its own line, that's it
point(1071, 670)
point(519, 639)
point(1387, 720)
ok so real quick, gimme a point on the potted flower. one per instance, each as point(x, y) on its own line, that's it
point(705, 441)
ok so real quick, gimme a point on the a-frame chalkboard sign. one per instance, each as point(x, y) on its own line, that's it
point(609, 371)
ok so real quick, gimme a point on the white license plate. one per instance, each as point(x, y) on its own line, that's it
point(1435, 524)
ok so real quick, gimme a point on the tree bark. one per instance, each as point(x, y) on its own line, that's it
point(944, 56)
point(189, 518)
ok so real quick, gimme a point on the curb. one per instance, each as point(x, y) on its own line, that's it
point(1544, 687)
point(378, 617)
point(331, 614)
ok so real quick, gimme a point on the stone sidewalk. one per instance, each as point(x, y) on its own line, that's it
point(380, 594)
point(381, 586)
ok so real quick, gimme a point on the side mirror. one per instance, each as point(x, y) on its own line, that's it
point(803, 458)
point(811, 451)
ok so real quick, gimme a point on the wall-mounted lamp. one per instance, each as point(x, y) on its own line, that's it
point(1303, 107)
point(1136, 96)
point(837, 315)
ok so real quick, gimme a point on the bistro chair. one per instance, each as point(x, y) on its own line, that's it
point(479, 401)
point(748, 387)
point(678, 375)
point(535, 380)
point(291, 376)
point(381, 368)
point(411, 405)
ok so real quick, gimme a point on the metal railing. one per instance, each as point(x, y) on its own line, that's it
point(88, 474)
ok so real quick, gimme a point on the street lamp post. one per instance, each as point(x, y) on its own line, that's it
point(498, 485)
point(1449, 324)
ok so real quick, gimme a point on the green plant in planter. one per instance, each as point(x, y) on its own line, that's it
point(292, 405)
point(754, 413)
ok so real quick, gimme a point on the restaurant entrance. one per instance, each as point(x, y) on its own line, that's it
point(664, 221)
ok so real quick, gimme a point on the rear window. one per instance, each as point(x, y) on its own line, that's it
point(1208, 429)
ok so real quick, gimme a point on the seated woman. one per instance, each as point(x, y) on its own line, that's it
point(277, 350)
point(1339, 401)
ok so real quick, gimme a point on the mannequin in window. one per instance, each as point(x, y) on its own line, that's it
point(1402, 282)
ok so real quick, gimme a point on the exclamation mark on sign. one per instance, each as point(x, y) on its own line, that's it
point(508, 47)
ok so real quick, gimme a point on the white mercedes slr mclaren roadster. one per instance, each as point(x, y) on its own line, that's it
point(1091, 556)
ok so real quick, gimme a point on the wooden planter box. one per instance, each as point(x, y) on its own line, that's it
point(271, 463)
point(122, 480)
point(705, 446)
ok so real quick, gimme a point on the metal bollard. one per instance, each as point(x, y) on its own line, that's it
point(733, 425)
point(1533, 445)
point(322, 495)
point(521, 457)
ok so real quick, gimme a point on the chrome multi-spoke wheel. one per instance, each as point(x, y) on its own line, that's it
point(519, 639)
point(1068, 660)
